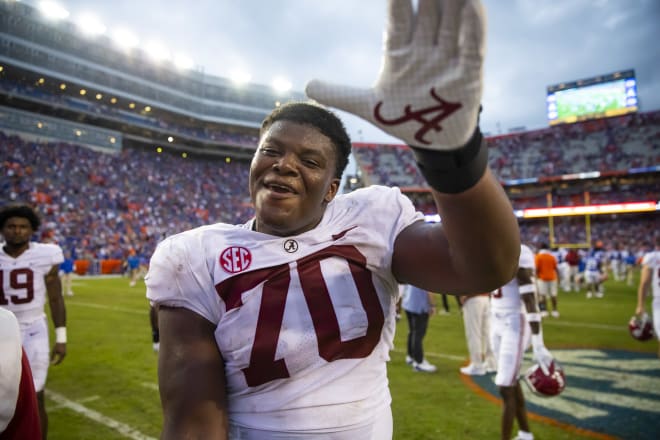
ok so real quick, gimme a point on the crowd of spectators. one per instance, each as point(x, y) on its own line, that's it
point(388, 164)
point(99, 205)
point(630, 231)
point(603, 145)
point(596, 195)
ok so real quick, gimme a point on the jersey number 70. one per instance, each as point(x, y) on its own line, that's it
point(263, 366)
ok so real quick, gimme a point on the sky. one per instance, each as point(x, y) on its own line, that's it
point(530, 44)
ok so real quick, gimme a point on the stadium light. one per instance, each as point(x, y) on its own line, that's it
point(125, 39)
point(610, 208)
point(182, 62)
point(53, 11)
point(89, 25)
point(281, 85)
point(157, 51)
point(240, 78)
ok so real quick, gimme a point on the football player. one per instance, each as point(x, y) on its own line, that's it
point(649, 281)
point(281, 327)
point(515, 318)
point(594, 272)
point(546, 279)
point(30, 276)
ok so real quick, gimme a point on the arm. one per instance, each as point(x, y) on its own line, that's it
point(57, 312)
point(643, 288)
point(464, 253)
point(528, 296)
point(191, 376)
point(428, 95)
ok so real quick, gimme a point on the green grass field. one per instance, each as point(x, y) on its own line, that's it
point(106, 388)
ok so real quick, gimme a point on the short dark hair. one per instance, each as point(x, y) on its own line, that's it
point(320, 118)
point(20, 210)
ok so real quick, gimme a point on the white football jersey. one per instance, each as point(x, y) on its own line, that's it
point(23, 285)
point(507, 297)
point(652, 261)
point(304, 323)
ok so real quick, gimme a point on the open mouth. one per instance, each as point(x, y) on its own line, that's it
point(280, 188)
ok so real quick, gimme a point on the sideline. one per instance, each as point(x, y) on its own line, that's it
point(122, 428)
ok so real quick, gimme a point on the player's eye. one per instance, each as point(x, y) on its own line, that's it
point(268, 151)
point(311, 163)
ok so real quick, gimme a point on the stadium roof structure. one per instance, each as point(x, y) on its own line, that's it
point(60, 62)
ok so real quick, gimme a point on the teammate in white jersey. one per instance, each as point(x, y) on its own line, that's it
point(29, 276)
point(280, 328)
point(514, 313)
point(649, 282)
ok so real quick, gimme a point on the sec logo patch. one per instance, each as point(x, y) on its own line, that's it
point(235, 259)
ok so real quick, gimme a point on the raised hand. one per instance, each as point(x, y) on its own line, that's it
point(429, 90)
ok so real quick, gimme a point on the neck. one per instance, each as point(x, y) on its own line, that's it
point(15, 250)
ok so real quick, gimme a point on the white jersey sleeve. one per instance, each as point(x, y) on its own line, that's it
point(304, 323)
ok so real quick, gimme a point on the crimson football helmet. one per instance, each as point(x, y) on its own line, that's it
point(546, 385)
point(641, 327)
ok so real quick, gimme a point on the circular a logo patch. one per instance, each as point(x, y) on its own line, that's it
point(235, 259)
point(291, 245)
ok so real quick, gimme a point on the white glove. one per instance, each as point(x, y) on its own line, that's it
point(541, 355)
point(429, 90)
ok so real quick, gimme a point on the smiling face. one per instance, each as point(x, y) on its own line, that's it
point(292, 178)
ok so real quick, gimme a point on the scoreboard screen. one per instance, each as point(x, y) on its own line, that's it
point(599, 97)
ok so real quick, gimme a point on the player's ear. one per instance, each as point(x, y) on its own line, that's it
point(332, 190)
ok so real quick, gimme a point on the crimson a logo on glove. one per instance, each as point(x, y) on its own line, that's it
point(441, 111)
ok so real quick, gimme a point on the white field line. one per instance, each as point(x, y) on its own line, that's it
point(551, 322)
point(150, 385)
point(122, 428)
point(84, 400)
point(75, 302)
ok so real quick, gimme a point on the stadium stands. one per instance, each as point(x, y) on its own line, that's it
point(101, 205)
point(605, 145)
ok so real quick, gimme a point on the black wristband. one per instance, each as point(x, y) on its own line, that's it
point(457, 170)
